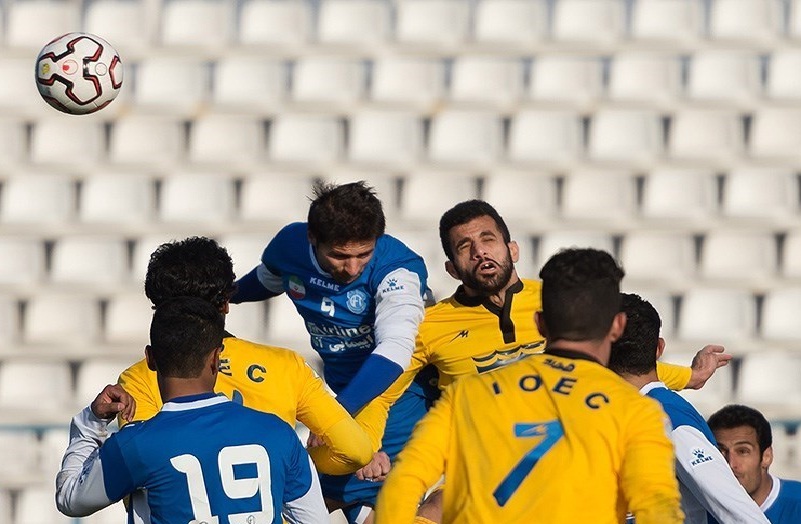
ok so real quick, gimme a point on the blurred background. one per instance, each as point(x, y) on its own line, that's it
point(665, 131)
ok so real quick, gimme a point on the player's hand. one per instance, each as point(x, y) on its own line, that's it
point(376, 470)
point(705, 363)
point(113, 400)
point(314, 441)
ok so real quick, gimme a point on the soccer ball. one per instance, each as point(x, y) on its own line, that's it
point(78, 73)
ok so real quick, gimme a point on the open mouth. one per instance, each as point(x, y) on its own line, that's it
point(487, 268)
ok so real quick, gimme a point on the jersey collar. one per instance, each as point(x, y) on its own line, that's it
point(569, 353)
point(652, 386)
point(773, 495)
point(190, 402)
point(471, 301)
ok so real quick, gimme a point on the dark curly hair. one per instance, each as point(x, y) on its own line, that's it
point(737, 415)
point(345, 213)
point(635, 351)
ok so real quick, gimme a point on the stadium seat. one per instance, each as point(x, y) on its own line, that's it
point(197, 197)
point(278, 198)
point(753, 194)
point(658, 258)
point(716, 393)
point(170, 85)
point(67, 143)
point(550, 243)
point(248, 84)
point(780, 316)
point(526, 201)
point(53, 382)
point(706, 135)
point(392, 138)
point(231, 141)
point(595, 22)
point(550, 137)
point(752, 21)
point(472, 137)
point(353, 22)
point(416, 82)
point(33, 23)
point(679, 195)
point(127, 319)
point(783, 79)
point(724, 76)
point(248, 321)
point(202, 24)
point(9, 320)
point(566, 79)
point(776, 133)
point(245, 249)
point(741, 257)
point(37, 198)
point(644, 77)
point(791, 257)
point(89, 261)
point(95, 373)
point(118, 198)
point(35, 506)
point(13, 142)
point(494, 81)
point(22, 261)
point(122, 23)
point(673, 22)
point(386, 185)
point(285, 327)
point(308, 139)
point(19, 453)
point(718, 316)
point(510, 22)
point(598, 197)
point(151, 141)
point(426, 195)
point(328, 81)
point(625, 136)
point(65, 320)
point(432, 23)
point(770, 381)
point(269, 24)
point(18, 93)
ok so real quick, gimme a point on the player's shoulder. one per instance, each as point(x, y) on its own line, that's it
point(531, 286)
point(791, 489)
point(391, 252)
point(235, 347)
point(679, 410)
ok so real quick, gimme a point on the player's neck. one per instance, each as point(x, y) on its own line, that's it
point(171, 388)
point(498, 298)
point(638, 381)
point(762, 492)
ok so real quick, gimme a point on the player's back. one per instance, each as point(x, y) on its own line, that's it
point(551, 442)
point(207, 457)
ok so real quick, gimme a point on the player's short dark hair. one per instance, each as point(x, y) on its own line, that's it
point(464, 212)
point(635, 351)
point(737, 415)
point(580, 294)
point(193, 267)
point(345, 213)
point(183, 332)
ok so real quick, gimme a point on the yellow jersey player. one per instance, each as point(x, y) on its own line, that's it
point(552, 438)
point(265, 378)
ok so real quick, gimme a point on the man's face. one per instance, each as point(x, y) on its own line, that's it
point(740, 448)
point(481, 259)
point(345, 262)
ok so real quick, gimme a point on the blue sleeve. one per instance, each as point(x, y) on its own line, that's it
point(298, 477)
point(374, 377)
point(250, 289)
point(117, 477)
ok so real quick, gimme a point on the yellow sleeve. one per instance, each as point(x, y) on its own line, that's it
point(648, 478)
point(348, 447)
point(140, 382)
point(418, 466)
point(674, 376)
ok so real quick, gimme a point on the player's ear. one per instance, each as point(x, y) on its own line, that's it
point(312, 240)
point(451, 270)
point(214, 360)
point(514, 251)
point(151, 362)
point(767, 457)
point(660, 347)
point(540, 321)
point(618, 326)
point(226, 308)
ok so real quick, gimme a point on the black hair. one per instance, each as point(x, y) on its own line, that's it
point(737, 415)
point(194, 267)
point(580, 294)
point(345, 213)
point(464, 212)
point(635, 351)
point(183, 332)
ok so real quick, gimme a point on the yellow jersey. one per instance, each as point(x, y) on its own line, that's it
point(554, 438)
point(278, 381)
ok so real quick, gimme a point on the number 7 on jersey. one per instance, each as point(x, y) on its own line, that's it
point(552, 431)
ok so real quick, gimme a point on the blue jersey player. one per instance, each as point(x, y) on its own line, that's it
point(360, 293)
point(202, 458)
point(707, 485)
point(745, 438)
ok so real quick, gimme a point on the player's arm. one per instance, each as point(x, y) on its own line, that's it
point(648, 479)
point(91, 478)
point(303, 501)
point(139, 382)
point(398, 312)
point(418, 466)
point(711, 480)
point(347, 446)
point(705, 363)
